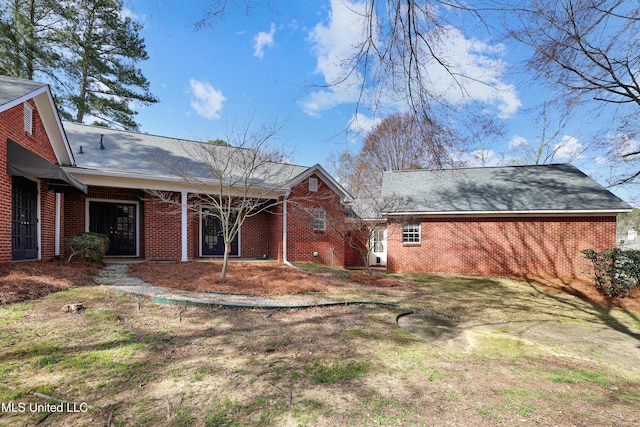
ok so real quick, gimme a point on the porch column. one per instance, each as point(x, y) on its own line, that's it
point(56, 228)
point(184, 219)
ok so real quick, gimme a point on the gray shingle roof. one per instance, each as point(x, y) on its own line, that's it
point(143, 154)
point(12, 89)
point(558, 187)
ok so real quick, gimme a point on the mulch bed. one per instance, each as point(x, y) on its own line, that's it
point(23, 281)
point(245, 278)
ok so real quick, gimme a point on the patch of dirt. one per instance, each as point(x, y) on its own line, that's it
point(23, 281)
point(246, 278)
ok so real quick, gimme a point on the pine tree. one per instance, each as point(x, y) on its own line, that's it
point(27, 37)
point(101, 74)
point(88, 50)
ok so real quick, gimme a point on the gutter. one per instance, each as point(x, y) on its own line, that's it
point(514, 213)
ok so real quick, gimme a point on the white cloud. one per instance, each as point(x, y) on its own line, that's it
point(624, 145)
point(128, 13)
point(517, 142)
point(263, 40)
point(569, 148)
point(478, 70)
point(207, 100)
point(333, 45)
point(477, 66)
point(363, 124)
point(484, 157)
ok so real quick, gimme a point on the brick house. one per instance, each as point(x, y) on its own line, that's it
point(515, 220)
point(33, 149)
point(125, 171)
point(65, 179)
point(88, 178)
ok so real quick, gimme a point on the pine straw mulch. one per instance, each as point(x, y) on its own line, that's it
point(23, 281)
point(262, 278)
point(586, 290)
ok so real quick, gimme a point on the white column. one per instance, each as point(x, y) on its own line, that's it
point(56, 227)
point(185, 196)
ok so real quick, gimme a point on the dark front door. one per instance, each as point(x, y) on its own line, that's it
point(118, 222)
point(212, 237)
point(24, 219)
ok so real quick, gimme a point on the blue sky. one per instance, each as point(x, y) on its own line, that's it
point(269, 65)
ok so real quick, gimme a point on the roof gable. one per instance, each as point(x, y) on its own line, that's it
point(328, 179)
point(14, 92)
point(515, 189)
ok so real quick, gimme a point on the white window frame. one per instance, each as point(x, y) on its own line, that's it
point(411, 233)
point(313, 184)
point(319, 220)
point(28, 118)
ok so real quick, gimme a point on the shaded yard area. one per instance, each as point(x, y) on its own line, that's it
point(490, 351)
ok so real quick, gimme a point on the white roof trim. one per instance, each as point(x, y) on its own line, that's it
point(23, 98)
point(335, 186)
point(514, 213)
point(150, 182)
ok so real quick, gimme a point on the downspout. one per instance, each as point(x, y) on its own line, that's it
point(285, 261)
point(184, 241)
point(56, 227)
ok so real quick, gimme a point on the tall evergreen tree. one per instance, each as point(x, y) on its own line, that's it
point(100, 64)
point(89, 50)
point(28, 31)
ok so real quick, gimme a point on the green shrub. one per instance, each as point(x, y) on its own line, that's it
point(616, 272)
point(92, 245)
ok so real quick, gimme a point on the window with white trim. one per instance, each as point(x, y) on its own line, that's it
point(28, 118)
point(319, 220)
point(313, 184)
point(411, 233)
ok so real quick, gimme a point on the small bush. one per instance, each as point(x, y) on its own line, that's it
point(92, 245)
point(617, 272)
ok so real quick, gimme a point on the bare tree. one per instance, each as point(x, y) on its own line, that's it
point(589, 50)
point(398, 142)
point(237, 181)
point(367, 218)
point(399, 57)
point(551, 143)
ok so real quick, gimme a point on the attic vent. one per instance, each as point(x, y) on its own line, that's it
point(28, 118)
point(313, 184)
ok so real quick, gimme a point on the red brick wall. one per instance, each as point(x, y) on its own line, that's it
point(302, 239)
point(12, 127)
point(160, 226)
point(275, 232)
point(75, 210)
point(254, 236)
point(163, 229)
point(356, 236)
point(544, 247)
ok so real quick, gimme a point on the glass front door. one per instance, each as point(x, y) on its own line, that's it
point(212, 237)
point(118, 222)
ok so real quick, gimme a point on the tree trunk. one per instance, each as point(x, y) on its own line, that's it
point(225, 262)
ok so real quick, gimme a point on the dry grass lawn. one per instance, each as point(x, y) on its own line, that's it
point(486, 351)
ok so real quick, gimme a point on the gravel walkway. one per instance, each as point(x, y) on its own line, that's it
point(117, 277)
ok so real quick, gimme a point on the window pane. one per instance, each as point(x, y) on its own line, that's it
point(319, 219)
point(411, 233)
